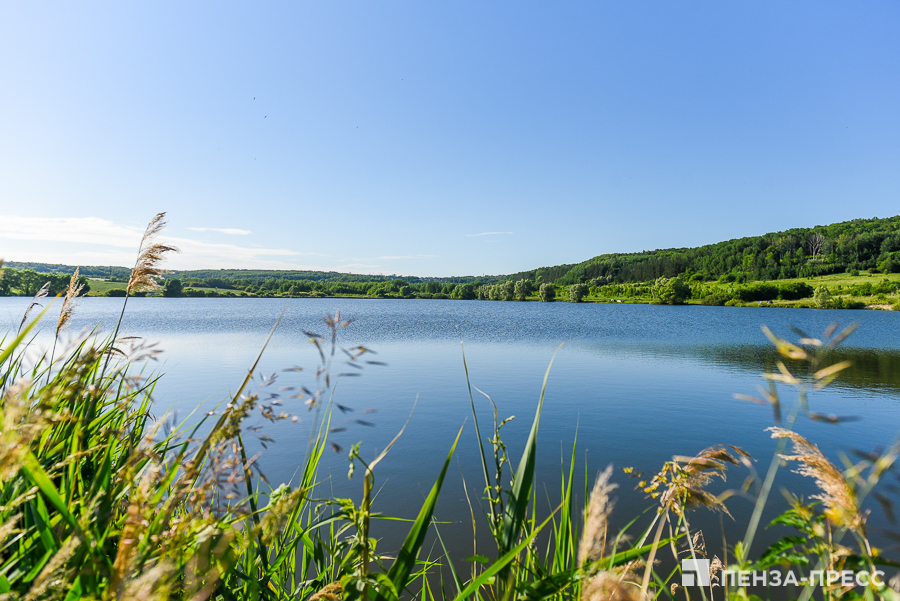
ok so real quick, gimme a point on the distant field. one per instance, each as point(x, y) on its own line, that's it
point(101, 287)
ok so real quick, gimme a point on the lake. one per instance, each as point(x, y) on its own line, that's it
point(636, 383)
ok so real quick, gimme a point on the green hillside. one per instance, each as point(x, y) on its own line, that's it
point(860, 244)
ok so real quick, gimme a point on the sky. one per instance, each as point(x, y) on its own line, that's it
point(438, 138)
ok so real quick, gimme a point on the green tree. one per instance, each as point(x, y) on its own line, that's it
point(671, 291)
point(405, 291)
point(9, 279)
point(547, 293)
point(577, 292)
point(173, 288)
point(522, 289)
point(30, 282)
point(507, 290)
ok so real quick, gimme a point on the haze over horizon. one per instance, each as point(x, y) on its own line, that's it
point(438, 140)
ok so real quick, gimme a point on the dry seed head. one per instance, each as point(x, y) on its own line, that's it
point(150, 256)
point(34, 303)
point(332, 592)
point(685, 477)
point(593, 537)
point(609, 586)
point(69, 302)
point(838, 497)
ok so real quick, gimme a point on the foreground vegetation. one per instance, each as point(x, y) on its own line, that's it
point(100, 501)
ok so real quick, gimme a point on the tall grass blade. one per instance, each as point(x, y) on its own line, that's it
point(406, 557)
point(517, 507)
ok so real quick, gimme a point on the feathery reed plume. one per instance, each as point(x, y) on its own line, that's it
point(685, 477)
point(150, 255)
point(683, 480)
point(69, 302)
point(610, 586)
point(593, 537)
point(146, 267)
point(837, 496)
point(65, 313)
point(35, 302)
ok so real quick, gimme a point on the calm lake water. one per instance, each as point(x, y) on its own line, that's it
point(637, 383)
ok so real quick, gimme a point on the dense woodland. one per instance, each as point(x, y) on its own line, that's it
point(861, 244)
point(715, 273)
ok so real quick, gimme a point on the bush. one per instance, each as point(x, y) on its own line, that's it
point(733, 303)
point(717, 299)
point(115, 292)
point(795, 291)
point(822, 297)
point(889, 266)
point(577, 292)
point(759, 292)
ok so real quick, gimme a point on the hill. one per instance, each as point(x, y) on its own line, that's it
point(860, 244)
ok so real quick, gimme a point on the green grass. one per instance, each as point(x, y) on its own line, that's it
point(101, 287)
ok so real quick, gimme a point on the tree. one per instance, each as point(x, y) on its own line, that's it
point(173, 288)
point(815, 243)
point(9, 279)
point(822, 297)
point(405, 291)
point(547, 293)
point(30, 282)
point(577, 292)
point(507, 290)
point(671, 291)
point(522, 289)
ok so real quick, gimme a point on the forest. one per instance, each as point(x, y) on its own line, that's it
point(860, 244)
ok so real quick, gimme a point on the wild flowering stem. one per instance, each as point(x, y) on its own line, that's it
point(768, 482)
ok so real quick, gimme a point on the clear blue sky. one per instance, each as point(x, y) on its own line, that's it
point(438, 138)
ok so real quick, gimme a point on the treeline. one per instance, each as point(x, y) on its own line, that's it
point(90, 271)
point(114, 273)
point(272, 287)
point(861, 244)
point(258, 276)
point(28, 282)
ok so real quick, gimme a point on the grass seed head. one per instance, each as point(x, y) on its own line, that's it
point(593, 537)
point(151, 254)
point(842, 508)
point(69, 302)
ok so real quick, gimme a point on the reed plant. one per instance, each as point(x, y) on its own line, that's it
point(100, 500)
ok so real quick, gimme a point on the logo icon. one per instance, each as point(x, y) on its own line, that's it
point(691, 566)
